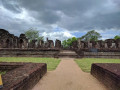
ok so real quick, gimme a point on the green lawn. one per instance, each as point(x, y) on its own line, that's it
point(85, 63)
point(51, 62)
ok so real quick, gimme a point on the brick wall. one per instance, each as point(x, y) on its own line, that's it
point(101, 54)
point(108, 74)
point(22, 76)
point(28, 52)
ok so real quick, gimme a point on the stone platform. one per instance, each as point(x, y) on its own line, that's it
point(31, 52)
point(67, 53)
point(21, 76)
point(108, 74)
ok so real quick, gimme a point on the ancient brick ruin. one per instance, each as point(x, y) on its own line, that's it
point(8, 40)
point(11, 45)
point(107, 44)
point(21, 76)
point(108, 74)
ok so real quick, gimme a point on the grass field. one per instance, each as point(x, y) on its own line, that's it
point(85, 63)
point(51, 62)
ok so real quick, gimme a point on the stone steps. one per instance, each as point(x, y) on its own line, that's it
point(67, 53)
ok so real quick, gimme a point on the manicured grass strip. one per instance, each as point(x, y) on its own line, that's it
point(85, 63)
point(51, 62)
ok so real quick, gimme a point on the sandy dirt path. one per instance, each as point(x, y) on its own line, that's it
point(68, 76)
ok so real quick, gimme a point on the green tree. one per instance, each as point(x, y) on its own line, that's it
point(64, 43)
point(117, 37)
point(40, 38)
point(33, 34)
point(91, 36)
point(67, 43)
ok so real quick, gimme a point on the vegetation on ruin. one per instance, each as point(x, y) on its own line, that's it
point(91, 36)
point(117, 37)
point(2, 72)
point(85, 63)
point(67, 43)
point(51, 62)
point(33, 34)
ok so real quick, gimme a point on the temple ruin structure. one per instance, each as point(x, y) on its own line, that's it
point(8, 40)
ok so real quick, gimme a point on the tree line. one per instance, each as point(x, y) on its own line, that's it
point(89, 36)
point(33, 34)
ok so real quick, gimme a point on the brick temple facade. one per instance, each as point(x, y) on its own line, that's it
point(8, 40)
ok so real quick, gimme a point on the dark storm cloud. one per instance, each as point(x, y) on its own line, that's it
point(72, 15)
point(11, 5)
point(117, 2)
point(47, 17)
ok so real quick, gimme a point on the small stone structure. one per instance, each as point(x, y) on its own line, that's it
point(107, 44)
point(108, 74)
point(58, 43)
point(8, 40)
point(21, 76)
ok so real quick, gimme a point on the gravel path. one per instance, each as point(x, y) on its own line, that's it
point(68, 76)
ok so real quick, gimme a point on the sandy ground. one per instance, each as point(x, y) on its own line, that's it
point(68, 76)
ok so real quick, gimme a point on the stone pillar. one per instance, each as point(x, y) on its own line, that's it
point(40, 44)
point(106, 45)
point(74, 45)
point(82, 44)
point(89, 44)
point(58, 44)
point(97, 45)
point(79, 44)
point(117, 43)
point(23, 41)
point(34, 44)
point(49, 44)
point(113, 45)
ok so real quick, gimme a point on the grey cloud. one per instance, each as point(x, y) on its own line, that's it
point(75, 14)
point(48, 17)
point(11, 5)
point(117, 2)
point(18, 26)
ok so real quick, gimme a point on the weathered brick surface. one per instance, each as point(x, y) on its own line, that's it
point(29, 52)
point(108, 74)
point(101, 53)
point(22, 76)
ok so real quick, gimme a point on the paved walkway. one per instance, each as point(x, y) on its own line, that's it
point(68, 76)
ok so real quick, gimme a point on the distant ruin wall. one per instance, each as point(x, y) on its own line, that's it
point(99, 54)
point(29, 52)
point(10, 41)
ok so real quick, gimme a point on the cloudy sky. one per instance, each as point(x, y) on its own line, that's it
point(61, 19)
